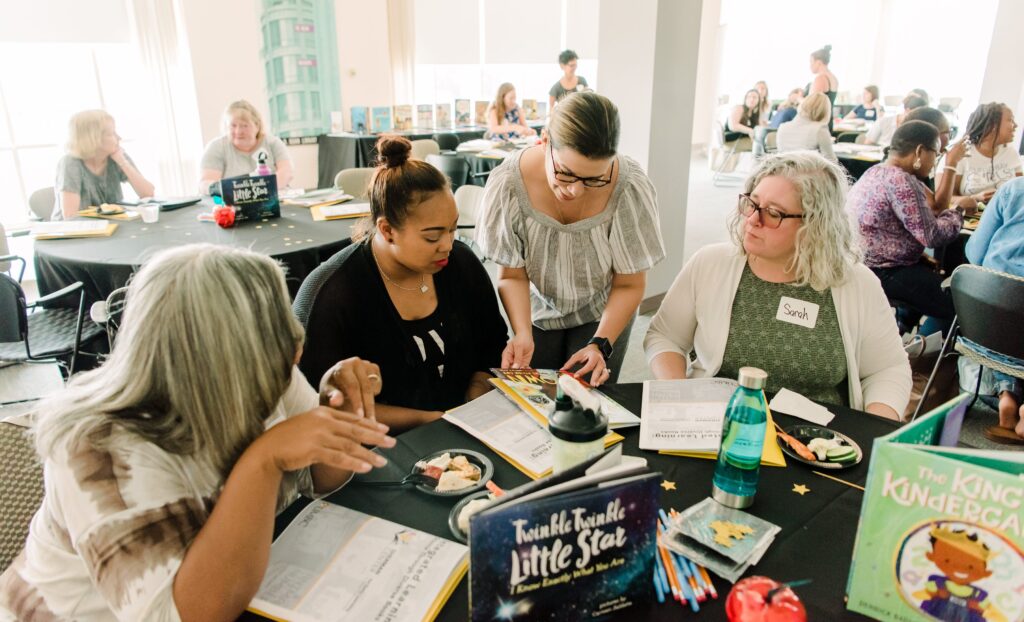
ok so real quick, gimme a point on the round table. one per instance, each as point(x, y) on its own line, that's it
point(105, 264)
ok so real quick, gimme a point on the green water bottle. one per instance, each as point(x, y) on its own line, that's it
point(739, 455)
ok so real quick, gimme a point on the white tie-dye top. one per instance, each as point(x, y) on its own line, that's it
point(114, 526)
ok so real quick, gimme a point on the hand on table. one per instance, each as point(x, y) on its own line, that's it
point(984, 197)
point(591, 361)
point(967, 203)
point(353, 382)
point(518, 352)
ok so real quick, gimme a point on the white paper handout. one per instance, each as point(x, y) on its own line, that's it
point(793, 404)
point(684, 415)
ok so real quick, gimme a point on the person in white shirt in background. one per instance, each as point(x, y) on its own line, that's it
point(990, 161)
point(809, 130)
point(881, 132)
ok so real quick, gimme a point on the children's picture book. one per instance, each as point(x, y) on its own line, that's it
point(333, 563)
point(530, 109)
point(462, 114)
point(403, 118)
point(576, 549)
point(940, 531)
point(534, 391)
point(381, 119)
point(424, 116)
point(254, 197)
point(542, 110)
point(360, 119)
point(443, 116)
point(481, 113)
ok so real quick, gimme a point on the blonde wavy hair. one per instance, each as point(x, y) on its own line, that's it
point(815, 107)
point(826, 246)
point(203, 355)
point(242, 109)
point(85, 132)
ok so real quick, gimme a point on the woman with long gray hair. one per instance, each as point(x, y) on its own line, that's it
point(164, 466)
point(788, 295)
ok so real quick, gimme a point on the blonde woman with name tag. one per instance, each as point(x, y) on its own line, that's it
point(789, 295)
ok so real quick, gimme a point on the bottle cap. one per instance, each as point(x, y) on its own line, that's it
point(753, 378)
point(578, 424)
point(562, 401)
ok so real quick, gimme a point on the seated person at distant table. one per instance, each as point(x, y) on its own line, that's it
point(991, 160)
point(881, 132)
point(505, 117)
point(95, 166)
point(787, 110)
point(407, 296)
point(745, 117)
point(809, 130)
point(244, 143)
point(870, 109)
point(788, 295)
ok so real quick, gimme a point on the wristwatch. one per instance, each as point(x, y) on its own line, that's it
point(603, 346)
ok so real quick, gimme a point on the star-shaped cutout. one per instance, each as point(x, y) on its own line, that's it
point(800, 489)
point(667, 485)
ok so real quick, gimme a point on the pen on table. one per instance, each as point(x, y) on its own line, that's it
point(657, 586)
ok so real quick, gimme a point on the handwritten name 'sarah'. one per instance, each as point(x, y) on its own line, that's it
point(791, 312)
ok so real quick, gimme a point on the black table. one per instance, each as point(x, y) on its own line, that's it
point(105, 264)
point(855, 166)
point(817, 534)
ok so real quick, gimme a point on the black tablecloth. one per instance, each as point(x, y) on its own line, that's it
point(855, 166)
point(816, 540)
point(105, 264)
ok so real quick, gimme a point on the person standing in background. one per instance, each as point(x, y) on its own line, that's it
point(824, 80)
point(569, 82)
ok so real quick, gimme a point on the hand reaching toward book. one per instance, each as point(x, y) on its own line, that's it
point(323, 436)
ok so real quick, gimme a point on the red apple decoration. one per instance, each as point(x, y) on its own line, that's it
point(748, 602)
point(224, 216)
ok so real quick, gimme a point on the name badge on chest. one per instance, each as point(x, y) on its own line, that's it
point(799, 312)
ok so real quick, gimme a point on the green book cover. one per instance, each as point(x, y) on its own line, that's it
point(940, 533)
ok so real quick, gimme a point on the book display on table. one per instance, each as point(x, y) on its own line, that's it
point(403, 118)
point(360, 119)
point(530, 110)
point(534, 391)
point(443, 116)
point(60, 229)
point(463, 117)
point(252, 197)
point(940, 531)
point(381, 119)
point(480, 118)
point(424, 116)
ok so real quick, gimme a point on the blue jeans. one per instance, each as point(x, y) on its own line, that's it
point(1003, 382)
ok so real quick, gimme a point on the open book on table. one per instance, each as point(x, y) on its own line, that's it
point(534, 391)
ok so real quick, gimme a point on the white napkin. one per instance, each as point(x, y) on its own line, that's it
point(796, 405)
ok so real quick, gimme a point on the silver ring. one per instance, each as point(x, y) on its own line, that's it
point(607, 371)
point(373, 377)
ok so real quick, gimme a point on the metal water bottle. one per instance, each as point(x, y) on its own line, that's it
point(743, 429)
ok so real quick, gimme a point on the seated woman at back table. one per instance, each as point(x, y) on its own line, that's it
point(408, 296)
point(941, 182)
point(788, 295)
point(998, 243)
point(899, 217)
point(569, 82)
point(504, 116)
point(881, 132)
point(165, 466)
point(766, 103)
point(787, 110)
point(94, 167)
point(243, 146)
point(990, 161)
point(870, 108)
point(745, 117)
point(809, 130)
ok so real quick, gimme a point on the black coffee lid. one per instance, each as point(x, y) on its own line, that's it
point(562, 401)
point(578, 424)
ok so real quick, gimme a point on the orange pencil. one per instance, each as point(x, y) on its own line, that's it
point(707, 579)
point(673, 580)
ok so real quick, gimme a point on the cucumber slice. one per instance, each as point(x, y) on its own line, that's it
point(841, 454)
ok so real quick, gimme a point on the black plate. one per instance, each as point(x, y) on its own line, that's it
point(453, 516)
point(804, 433)
point(481, 461)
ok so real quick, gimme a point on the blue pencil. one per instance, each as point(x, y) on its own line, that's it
point(666, 588)
point(696, 575)
point(660, 593)
point(687, 590)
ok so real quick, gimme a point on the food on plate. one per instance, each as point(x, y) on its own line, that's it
point(451, 472)
point(832, 450)
point(470, 509)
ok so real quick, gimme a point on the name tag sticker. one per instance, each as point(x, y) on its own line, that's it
point(799, 312)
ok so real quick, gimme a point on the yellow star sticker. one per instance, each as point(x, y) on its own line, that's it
point(800, 489)
point(667, 485)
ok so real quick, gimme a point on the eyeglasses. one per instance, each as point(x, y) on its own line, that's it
point(568, 178)
point(767, 216)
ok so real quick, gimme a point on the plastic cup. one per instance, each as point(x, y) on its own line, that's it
point(150, 212)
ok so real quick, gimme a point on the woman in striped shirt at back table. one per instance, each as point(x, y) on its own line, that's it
point(574, 228)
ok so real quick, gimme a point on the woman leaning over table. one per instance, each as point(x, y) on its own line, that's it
point(788, 295)
point(899, 217)
point(408, 296)
point(164, 467)
point(505, 117)
point(991, 160)
point(574, 229)
point(238, 151)
point(94, 167)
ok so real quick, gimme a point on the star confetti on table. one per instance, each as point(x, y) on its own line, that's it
point(800, 489)
point(667, 485)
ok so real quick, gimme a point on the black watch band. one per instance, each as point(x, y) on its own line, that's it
point(603, 345)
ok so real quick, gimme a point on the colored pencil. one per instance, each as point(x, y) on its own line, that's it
point(657, 586)
point(673, 581)
point(707, 579)
point(685, 589)
point(683, 568)
point(660, 567)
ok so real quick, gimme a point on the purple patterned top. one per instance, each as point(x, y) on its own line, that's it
point(895, 221)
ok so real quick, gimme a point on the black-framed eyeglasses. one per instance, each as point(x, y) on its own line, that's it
point(767, 216)
point(589, 182)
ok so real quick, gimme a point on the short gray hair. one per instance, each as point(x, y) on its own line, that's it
point(826, 245)
point(204, 353)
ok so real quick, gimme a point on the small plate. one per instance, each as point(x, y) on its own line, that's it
point(804, 434)
point(481, 461)
point(453, 516)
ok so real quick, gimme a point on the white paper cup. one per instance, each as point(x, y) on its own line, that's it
point(150, 212)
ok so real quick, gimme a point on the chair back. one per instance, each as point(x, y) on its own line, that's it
point(423, 147)
point(5, 249)
point(21, 491)
point(467, 200)
point(354, 181)
point(848, 137)
point(302, 306)
point(41, 203)
point(771, 141)
point(717, 134)
point(446, 141)
point(453, 165)
point(13, 311)
point(114, 311)
point(990, 308)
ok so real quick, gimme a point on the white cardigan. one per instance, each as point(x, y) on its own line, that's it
point(695, 314)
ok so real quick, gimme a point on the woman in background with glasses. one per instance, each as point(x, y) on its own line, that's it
point(788, 295)
point(574, 228)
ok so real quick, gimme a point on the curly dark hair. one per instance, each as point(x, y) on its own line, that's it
point(983, 122)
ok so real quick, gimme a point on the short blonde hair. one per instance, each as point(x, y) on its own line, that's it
point(242, 109)
point(816, 107)
point(85, 132)
point(826, 246)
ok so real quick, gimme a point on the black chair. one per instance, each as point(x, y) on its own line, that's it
point(453, 165)
point(107, 313)
point(46, 334)
point(447, 141)
point(847, 137)
point(302, 306)
point(990, 313)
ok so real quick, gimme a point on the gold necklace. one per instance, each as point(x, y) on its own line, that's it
point(423, 289)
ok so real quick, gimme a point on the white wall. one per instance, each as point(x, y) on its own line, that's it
point(1004, 74)
point(708, 63)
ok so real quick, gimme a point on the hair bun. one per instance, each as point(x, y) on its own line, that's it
point(827, 48)
point(393, 151)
